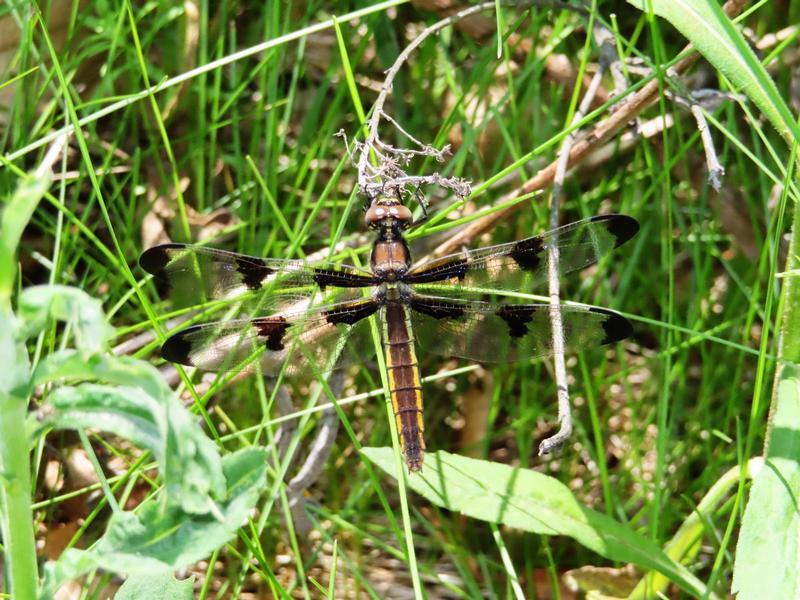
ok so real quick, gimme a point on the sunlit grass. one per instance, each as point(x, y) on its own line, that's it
point(244, 106)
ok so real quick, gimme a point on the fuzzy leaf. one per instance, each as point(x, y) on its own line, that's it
point(40, 303)
point(67, 365)
point(137, 406)
point(164, 587)
point(14, 216)
point(15, 375)
point(156, 540)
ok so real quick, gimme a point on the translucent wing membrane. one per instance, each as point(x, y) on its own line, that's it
point(196, 274)
point(482, 331)
point(488, 332)
point(306, 338)
point(520, 264)
point(309, 340)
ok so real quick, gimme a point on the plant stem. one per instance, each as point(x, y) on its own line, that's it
point(15, 488)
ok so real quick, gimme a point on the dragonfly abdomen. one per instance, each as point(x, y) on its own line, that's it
point(404, 383)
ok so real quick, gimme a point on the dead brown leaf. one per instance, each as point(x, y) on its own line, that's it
point(602, 583)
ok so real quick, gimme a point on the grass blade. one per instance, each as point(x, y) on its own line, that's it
point(704, 24)
point(764, 552)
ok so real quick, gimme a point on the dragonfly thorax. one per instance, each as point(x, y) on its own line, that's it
point(390, 259)
point(397, 292)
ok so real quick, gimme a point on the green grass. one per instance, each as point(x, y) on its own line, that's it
point(659, 419)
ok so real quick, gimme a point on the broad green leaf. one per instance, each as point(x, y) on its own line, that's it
point(38, 304)
point(68, 365)
point(710, 30)
point(141, 408)
point(163, 586)
point(532, 502)
point(770, 533)
point(13, 219)
point(157, 540)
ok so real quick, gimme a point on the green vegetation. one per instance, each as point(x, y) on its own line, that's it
point(216, 123)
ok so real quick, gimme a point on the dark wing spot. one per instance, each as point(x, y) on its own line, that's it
point(622, 227)
point(345, 279)
point(616, 326)
point(274, 330)
point(526, 253)
point(517, 318)
point(153, 260)
point(350, 315)
point(437, 309)
point(254, 271)
point(455, 268)
point(178, 349)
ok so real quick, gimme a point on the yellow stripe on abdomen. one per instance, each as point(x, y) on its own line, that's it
point(404, 383)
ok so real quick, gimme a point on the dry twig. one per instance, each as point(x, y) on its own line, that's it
point(387, 175)
point(557, 328)
point(715, 170)
point(603, 132)
point(697, 103)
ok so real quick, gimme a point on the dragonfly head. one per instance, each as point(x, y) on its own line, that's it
point(388, 213)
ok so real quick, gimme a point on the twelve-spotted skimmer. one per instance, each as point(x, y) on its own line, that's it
point(439, 306)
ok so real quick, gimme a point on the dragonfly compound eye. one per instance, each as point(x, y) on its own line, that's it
point(374, 215)
point(402, 214)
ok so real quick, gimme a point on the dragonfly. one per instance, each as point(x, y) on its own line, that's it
point(457, 306)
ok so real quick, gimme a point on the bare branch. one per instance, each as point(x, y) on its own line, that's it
point(557, 328)
point(697, 103)
point(51, 156)
point(715, 170)
point(388, 174)
point(371, 179)
point(603, 132)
